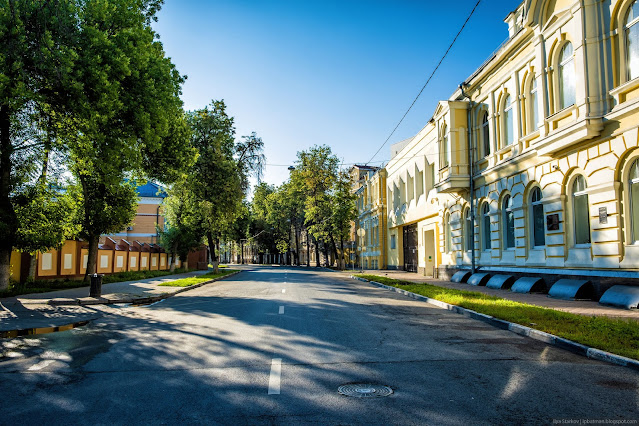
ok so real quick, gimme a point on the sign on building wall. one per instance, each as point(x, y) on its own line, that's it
point(68, 261)
point(47, 261)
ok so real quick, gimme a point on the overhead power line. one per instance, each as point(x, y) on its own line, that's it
point(427, 81)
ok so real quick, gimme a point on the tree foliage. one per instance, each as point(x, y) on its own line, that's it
point(316, 200)
point(86, 80)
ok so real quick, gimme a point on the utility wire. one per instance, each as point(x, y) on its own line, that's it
point(427, 81)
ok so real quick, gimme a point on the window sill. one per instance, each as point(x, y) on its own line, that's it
point(620, 93)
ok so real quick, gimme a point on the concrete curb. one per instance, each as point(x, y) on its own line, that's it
point(10, 334)
point(547, 338)
point(99, 301)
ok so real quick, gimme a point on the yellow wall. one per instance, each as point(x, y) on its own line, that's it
point(144, 261)
point(105, 261)
point(120, 257)
point(155, 261)
point(16, 263)
point(48, 263)
point(134, 261)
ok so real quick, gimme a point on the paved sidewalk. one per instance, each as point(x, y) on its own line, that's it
point(71, 306)
point(574, 306)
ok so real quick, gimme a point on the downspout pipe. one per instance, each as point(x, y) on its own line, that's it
point(471, 174)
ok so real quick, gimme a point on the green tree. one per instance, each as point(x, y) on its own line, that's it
point(344, 211)
point(220, 177)
point(316, 172)
point(36, 59)
point(127, 122)
point(184, 231)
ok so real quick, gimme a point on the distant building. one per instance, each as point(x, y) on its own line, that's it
point(149, 214)
point(371, 220)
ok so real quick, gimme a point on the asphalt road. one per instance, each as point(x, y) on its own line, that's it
point(272, 346)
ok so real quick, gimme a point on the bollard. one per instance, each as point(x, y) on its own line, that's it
point(96, 285)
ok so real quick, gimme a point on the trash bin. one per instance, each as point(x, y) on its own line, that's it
point(96, 285)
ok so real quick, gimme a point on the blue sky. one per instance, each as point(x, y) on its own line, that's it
point(341, 73)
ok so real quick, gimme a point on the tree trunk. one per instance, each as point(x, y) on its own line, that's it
point(342, 258)
point(33, 263)
point(92, 256)
point(334, 246)
point(317, 259)
point(326, 254)
point(308, 249)
point(8, 218)
point(298, 233)
point(5, 269)
point(173, 254)
point(214, 260)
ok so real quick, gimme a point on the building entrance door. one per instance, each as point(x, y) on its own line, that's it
point(429, 253)
point(410, 248)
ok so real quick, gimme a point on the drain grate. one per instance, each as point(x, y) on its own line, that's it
point(365, 390)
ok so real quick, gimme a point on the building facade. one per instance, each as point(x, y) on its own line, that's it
point(371, 220)
point(548, 130)
point(149, 217)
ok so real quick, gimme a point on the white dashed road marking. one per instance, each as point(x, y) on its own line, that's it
point(274, 379)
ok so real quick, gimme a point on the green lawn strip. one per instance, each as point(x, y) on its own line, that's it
point(186, 282)
point(616, 336)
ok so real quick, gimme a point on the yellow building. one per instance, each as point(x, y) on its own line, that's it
point(148, 218)
point(552, 148)
point(371, 220)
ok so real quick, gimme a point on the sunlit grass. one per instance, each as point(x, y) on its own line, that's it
point(617, 336)
point(186, 282)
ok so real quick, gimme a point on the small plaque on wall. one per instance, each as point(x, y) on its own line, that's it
point(552, 222)
point(603, 215)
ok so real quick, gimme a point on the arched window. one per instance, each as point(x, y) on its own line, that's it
point(633, 185)
point(485, 228)
point(537, 218)
point(444, 148)
point(632, 41)
point(566, 77)
point(580, 211)
point(468, 230)
point(508, 222)
point(485, 133)
point(533, 105)
point(447, 234)
point(508, 126)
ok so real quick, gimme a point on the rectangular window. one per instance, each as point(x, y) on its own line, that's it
point(85, 261)
point(104, 261)
point(538, 225)
point(634, 189)
point(154, 261)
point(486, 232)
point(119, 261)
point(582, 223)
point(143, 262)
point(510, 127)
point(420, 184)
point(510, 230)
point(393, 242)
point(134, 261)
point(410, 189)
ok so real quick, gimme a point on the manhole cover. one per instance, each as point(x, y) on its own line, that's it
point(364, 390)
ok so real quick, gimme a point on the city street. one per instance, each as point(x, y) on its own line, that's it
point(272, 345)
